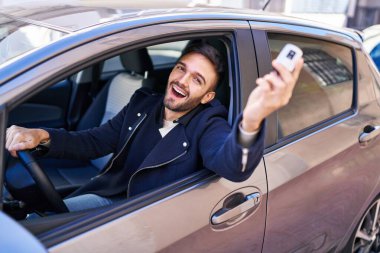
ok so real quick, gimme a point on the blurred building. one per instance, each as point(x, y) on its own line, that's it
point(367, 13)
point(357, 14)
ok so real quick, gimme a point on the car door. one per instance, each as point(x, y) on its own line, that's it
point(200, 213)
point(320, 177)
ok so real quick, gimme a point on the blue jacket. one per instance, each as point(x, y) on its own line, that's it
point(142, 161)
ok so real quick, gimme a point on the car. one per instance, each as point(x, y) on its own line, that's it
point(372, 43)
point(316, 188)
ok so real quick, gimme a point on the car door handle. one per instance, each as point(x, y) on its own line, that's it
point(225, 214)
point(369, 132)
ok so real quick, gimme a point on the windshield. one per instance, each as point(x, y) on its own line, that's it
point(17, 38)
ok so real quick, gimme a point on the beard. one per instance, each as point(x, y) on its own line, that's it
point(187, 104)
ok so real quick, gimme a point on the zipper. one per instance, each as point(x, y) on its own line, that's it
point(244, 159)
point(151, 167)
point(125, 144)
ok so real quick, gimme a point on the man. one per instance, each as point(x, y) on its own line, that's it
point(157, 140)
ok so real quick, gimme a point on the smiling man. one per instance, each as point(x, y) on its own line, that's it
point(188, 87)
point(159, 139)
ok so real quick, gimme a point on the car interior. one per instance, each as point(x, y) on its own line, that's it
point(84, 100)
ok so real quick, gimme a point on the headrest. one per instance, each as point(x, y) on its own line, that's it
point(137, 61)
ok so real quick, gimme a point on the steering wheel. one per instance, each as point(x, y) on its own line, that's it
point(42, 181)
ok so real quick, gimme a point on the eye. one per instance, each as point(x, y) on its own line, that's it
point(197, 80)
point(180, 67)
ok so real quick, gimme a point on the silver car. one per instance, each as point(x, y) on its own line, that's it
point(315, 190)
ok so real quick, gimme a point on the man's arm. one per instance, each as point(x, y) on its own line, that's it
point(86, 144)
point(273, 87)
point(236, 155)
point(223, 153)
point(273, 91)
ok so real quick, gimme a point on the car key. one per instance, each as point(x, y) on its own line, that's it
point(288, 56)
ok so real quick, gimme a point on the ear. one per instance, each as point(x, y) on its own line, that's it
point(208, 97)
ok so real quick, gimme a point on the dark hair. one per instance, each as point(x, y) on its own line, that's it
point(210, 52)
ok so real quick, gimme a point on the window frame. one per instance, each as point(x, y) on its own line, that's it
point(318, 34)
point(333, 120)
point(325, 122)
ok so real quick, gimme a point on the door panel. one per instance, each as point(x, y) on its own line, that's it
point(320, 182)
point(315, 195)
point(180, 223)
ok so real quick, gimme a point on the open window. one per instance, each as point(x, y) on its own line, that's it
point(88, 98)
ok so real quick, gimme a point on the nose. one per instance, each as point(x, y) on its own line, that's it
point(184, 79)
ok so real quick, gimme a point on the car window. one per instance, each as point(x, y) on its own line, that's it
point(324, 88)
point(113, 64)
point(161, 55)
point(17, 38)
point(166, 53)
point(375, 54)
point(92, 101)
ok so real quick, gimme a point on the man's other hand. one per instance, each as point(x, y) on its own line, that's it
point(20, 138)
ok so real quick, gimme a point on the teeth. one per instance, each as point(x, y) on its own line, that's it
point(179, 91)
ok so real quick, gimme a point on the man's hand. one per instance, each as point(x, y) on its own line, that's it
point(273, 91)
point(19, 138)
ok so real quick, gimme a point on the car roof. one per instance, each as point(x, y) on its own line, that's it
point(63, 16)
point(371, 31)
